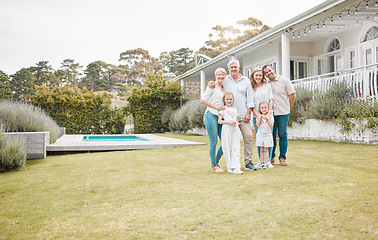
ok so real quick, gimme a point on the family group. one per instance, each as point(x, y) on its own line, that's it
point(232, 100)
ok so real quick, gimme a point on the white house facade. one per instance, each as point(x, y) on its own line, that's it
point(334, 41)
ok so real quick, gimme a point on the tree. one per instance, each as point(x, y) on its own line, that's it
point(140, 62)
point(5, 86)
point(22, 84)
point(44, 74)
point(224, 38)
point(180, 61)
point(254, 27)
point(147, 103)
point(99, 76)
point(69, 72)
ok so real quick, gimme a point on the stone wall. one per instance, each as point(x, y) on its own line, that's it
point(322, 130)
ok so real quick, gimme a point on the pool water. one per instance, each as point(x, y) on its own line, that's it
point(105, 138)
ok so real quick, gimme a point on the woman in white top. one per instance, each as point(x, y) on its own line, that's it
point(263, 93)
point(213, 99)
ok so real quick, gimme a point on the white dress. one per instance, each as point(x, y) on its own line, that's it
point(231, 139)
point(264, 137)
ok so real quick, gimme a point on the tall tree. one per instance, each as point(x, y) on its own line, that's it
point(180, 61)
point(224, 38)
point(22, 84)
point(69, 72)
point(44, 74)
point(5, 86)
point(97, 76)
point(140, 62)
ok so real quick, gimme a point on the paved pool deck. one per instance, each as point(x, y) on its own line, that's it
point(75, 143)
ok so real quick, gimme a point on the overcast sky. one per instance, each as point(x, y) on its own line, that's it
point(91, 30)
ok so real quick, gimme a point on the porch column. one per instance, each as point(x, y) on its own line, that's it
point(285, 50)
point(203, 82)
point(182, 85)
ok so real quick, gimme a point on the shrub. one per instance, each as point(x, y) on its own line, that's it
point(326, 105)
point(300, 109)
point(12, 153)
point(358, 114)
point(80, 111)
point(189, 116)
point(22, 117)
point(195, 114)
point(147, 103)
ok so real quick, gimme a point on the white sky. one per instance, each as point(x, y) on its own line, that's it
point(91, 30)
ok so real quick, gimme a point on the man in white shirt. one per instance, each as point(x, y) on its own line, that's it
point(284, 97)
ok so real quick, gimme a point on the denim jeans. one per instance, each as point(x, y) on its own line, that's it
point(270, 149)
point(280, 125)
point(214, 130)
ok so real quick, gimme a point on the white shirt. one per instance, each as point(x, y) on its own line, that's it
point(262, 94)
point(214, 96)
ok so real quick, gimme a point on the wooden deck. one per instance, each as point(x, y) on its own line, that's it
point(75, 143)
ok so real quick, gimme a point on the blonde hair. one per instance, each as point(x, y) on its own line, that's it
point(220, 70)
point(228, 94)
point(252, 78)
point(261, 103)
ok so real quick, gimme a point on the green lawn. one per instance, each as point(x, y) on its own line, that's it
point(328, 191)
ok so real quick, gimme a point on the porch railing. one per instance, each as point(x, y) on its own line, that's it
point(363, 80)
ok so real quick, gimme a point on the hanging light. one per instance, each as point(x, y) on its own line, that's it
point(304, 33)
point(376, 3)
point(309, 29)
point(293, 35)
point(340, 16)
point(332, 19)
point(317, 27)
point(348, 14)
point(367, 5)
point(356, 11)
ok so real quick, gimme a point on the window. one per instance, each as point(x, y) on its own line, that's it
point(298, 69)
point(334, 45)
point(371, 34)
point(352, 59)
point(368, 55)
point(320, 67)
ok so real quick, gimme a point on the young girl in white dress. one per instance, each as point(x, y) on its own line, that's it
point(264, 137)
point(230, 134)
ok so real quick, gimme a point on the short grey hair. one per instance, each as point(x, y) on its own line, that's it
point(233, 61)
point(220, 70)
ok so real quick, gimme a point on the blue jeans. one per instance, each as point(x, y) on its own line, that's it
point(214, 130)
point(280, 124)
point(270, 149)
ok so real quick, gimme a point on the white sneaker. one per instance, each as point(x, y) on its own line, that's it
point(269, 164)
point(259, 165)
point(237, 171)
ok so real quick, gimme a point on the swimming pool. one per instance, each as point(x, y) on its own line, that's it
point(109, 138)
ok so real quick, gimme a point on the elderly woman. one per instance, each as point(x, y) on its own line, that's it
point(213, 99)
point(263, 93)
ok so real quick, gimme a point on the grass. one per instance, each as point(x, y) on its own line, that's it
point(328, 191)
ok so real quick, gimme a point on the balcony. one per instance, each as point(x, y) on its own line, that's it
point(363, 80)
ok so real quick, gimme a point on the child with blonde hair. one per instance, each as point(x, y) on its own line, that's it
point(264, 137)
point(230, 134)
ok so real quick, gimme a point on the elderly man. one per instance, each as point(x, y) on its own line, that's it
point(284, 97)
point(244, 102)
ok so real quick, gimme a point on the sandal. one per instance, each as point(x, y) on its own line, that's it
point(217, 169)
